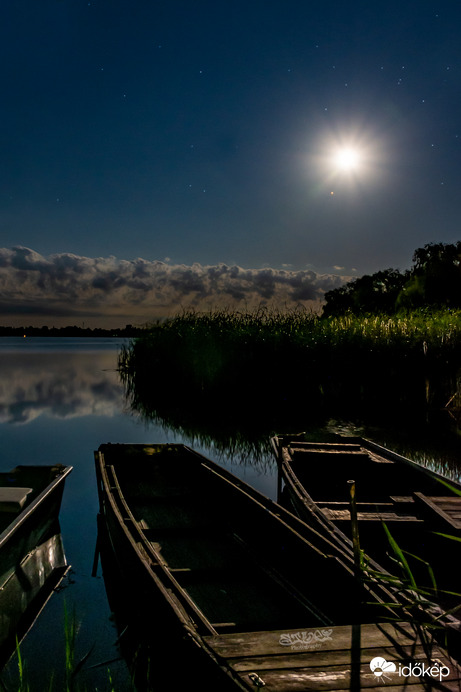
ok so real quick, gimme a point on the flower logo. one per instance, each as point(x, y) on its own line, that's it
point(380, 666)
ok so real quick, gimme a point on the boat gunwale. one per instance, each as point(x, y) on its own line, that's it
point(273, 509)
point(207, 640)
point(207, 643)
point(283, 442)
point(342, 542)
point(395, 456)
point(25, 513)
point(280, 442)
point(273, 512)
point(151, 559)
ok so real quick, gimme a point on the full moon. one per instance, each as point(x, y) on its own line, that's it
point(347, 159)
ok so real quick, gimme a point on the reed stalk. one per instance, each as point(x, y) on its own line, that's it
point(71, 666)
point(415, 604)
point(412, 359)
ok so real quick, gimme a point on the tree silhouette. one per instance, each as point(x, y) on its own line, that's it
point(370, 293)
point(433, 281)
point(436, 277)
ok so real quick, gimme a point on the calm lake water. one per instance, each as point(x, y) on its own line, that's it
point(59, 400)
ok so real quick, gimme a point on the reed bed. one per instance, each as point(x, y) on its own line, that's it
point(349, 361)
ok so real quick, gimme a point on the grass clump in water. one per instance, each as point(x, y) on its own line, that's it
point(70, 670)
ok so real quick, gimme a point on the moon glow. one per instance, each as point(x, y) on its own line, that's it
point(347, 159)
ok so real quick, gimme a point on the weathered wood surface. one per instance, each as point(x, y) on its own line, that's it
point(448, 509)
point(388, 517)
point(335, 658)
point(328, 446)
point(415, 503)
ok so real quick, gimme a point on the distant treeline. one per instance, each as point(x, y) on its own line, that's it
point(434, 281)
point(126, 332)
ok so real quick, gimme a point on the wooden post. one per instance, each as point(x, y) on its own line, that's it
point(358, 594)
point(279, 470)
point(355, 531)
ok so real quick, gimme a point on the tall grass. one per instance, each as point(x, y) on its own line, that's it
point(248, 359)
point(69, 670)
point(419, 605)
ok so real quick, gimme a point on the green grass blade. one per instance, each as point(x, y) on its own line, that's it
point(399, 553)
point(448, 485)
point(429, 569)
point(446, 535)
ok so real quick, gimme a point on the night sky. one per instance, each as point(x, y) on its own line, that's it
point(157, 154)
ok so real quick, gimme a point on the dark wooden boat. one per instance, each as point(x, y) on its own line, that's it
point(250, 590)
point(415, 503)
point(32, 559)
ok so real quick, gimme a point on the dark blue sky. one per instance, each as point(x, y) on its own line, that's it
point(203, 131)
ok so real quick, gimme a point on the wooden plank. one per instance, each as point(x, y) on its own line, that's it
point(330, 638)
point(329, 446)
point(345, 515)
point(446, 502)
point(339, 658)
point(447, 686)
point(450, 687)
point(13, 499)
point(338, 505)
point(325, 659)
point(347, 677)
point(430, 503)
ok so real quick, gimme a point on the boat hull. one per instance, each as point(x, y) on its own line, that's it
point(32, 558)
point(391, 492)
point(221, 585)
point(25, 591)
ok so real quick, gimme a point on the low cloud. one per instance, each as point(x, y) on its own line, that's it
point(66, 288)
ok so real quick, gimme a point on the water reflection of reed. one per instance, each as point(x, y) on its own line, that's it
point(244, 447)
point(226, 435)
point(242, 433)
point(231, 424)
point(231, 380)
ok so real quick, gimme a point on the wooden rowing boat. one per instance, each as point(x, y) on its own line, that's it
point(260, 598)
point(415, 503)
point(32, 559)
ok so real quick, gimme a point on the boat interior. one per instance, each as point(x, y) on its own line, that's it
point(236, 561)
point(19, 487)
point(412, 504)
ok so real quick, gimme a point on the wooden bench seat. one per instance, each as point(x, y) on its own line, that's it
point(12, 500)
point(345, 515)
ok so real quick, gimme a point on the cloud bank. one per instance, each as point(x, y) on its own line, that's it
point(66, 288)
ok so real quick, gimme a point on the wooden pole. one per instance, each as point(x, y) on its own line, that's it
point(355, 531)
